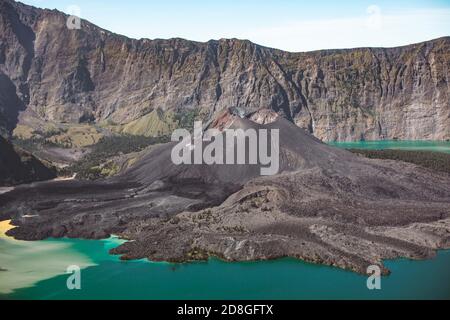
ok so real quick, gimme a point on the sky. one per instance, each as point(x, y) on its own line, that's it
point(292, 25)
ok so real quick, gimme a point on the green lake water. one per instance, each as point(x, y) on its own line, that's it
point(106, 277)
point(36, 270)
point(439, 146)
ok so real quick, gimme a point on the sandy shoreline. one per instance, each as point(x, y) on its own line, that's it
point(5, 226)
point(25, 263)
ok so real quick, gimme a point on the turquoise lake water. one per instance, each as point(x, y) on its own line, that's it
point(110, 278)
point(36, 270)
point(439, 146)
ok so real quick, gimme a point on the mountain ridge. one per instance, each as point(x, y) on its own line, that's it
point(92, 75)
point(224, 39)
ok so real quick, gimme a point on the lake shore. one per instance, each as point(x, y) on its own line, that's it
point(418, 235)
point(25, 263)
point(40, 274)
point(5, 226)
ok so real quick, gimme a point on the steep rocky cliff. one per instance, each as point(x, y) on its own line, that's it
point(53, 75)
point(18, 166)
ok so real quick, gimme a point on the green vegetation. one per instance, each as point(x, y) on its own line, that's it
point(186, 119)
point(153, 124)
point(96, 164)
point(157, 123)
point(34, 144)
point(76, 136)
point(432, 160)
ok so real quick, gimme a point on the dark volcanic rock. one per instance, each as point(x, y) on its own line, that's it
point(437, 161)
point(18, 166)
point(91, 74)
point(326, 205)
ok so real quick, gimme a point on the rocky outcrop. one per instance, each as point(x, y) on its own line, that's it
point(92, 75)
point(18, 166)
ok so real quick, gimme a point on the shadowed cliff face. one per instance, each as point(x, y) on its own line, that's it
point(18, 166)
point(64, 75)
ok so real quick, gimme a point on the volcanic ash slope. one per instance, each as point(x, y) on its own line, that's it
point(326, 205)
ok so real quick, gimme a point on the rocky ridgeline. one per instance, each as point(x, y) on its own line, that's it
point(92, 75)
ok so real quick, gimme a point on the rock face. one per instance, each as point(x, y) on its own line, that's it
point(18, 166)
point(92, 75)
